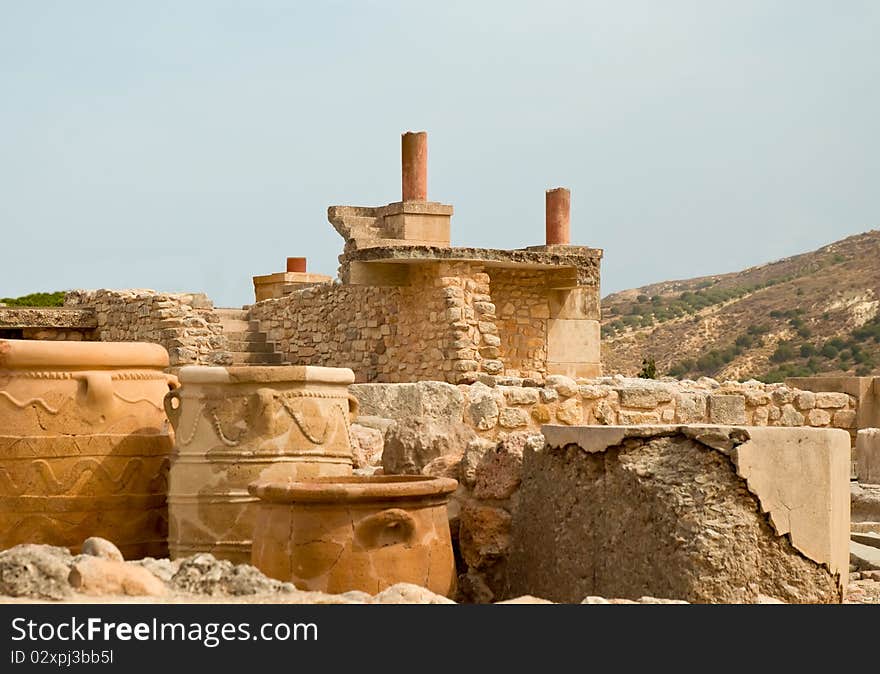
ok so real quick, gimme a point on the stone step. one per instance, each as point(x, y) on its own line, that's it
point(239, 358)
point(245, 336)
point(235, 325)
point(244, 346)
point(866, 538)
point(864, 557)
point(254, 326)
point(236, 314)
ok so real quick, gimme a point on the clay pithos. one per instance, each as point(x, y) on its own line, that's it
point(235, 425)
point(84, 444)
point(355, 533)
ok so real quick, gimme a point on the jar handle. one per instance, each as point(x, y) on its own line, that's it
point(388, 527)
point(172, 406)
point(172, 381)
point(354, 407)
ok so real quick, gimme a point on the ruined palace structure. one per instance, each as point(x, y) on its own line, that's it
point(410, 306)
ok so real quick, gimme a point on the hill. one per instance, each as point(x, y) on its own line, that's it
point(814, 313)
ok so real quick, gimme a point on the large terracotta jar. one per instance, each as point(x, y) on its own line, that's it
point(356, 533)
point(235, 425)
point(84, 444)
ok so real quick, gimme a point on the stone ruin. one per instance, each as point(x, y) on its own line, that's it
point(483, 365)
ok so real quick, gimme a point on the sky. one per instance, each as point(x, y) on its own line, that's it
point(189, 145)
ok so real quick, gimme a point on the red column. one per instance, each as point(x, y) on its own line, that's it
point(296, 264)
point(558, 215)
point(414, 161)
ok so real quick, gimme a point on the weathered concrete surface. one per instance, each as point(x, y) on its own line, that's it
point(701, 513)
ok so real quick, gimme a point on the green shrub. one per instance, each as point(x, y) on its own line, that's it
point(55, 299)
point(807, 350)
point(649, 369)
point(784, 351)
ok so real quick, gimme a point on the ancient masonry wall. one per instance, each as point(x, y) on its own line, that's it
point(184, 323)
point(523, 310)
point(437, 327)
point(491, 411)
point(333, 325)
point(60, 334)
point(503, 420)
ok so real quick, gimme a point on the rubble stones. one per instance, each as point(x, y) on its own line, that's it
point(412, 444)
point(35, 571)
point(207, 575)
point(103, 576)
point(366, 446)
point(101, 547)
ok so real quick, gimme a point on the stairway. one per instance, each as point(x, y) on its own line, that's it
point(245, 342)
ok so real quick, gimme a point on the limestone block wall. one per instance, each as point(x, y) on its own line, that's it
point(508, 418)
point(333, 325)
point(60, 334)
point(523, 310)
point(436, 326)
point(439, 326)
point(183, 323)
point(609, 401)
point(457, 321)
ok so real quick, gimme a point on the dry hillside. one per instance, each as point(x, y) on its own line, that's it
point(811, 313)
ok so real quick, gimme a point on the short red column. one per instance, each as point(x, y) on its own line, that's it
point(558, 215)
point(414, 162)
point(296, 264)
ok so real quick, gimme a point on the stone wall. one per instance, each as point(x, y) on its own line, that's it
point(498, 423)
point(522, 309)
point(710, 514)
point(332, 325)
point(492, 410)
point(183, 323)
point(60, 334)
point(439, 326)
point(48, 323)
point(455, 320)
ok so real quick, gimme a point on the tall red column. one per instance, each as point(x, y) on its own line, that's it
point(296, 264)
point(558, 216)
point(414, 162)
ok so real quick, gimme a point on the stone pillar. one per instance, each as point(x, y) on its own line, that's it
point(296, 264)
point(414, 161)
point(867, 456)
point(558, 216)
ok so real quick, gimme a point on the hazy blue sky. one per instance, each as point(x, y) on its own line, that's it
point(191, 145)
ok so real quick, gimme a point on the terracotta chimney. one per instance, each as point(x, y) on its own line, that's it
point(414, 161)
point(558, 216)
point(296, 264)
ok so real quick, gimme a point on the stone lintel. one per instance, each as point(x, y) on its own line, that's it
point(585, 266)
point(292, 277)
point(275, 286)
point(415, 208)
point(47, 317)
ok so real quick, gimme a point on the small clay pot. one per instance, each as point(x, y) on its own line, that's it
point(355, 533)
